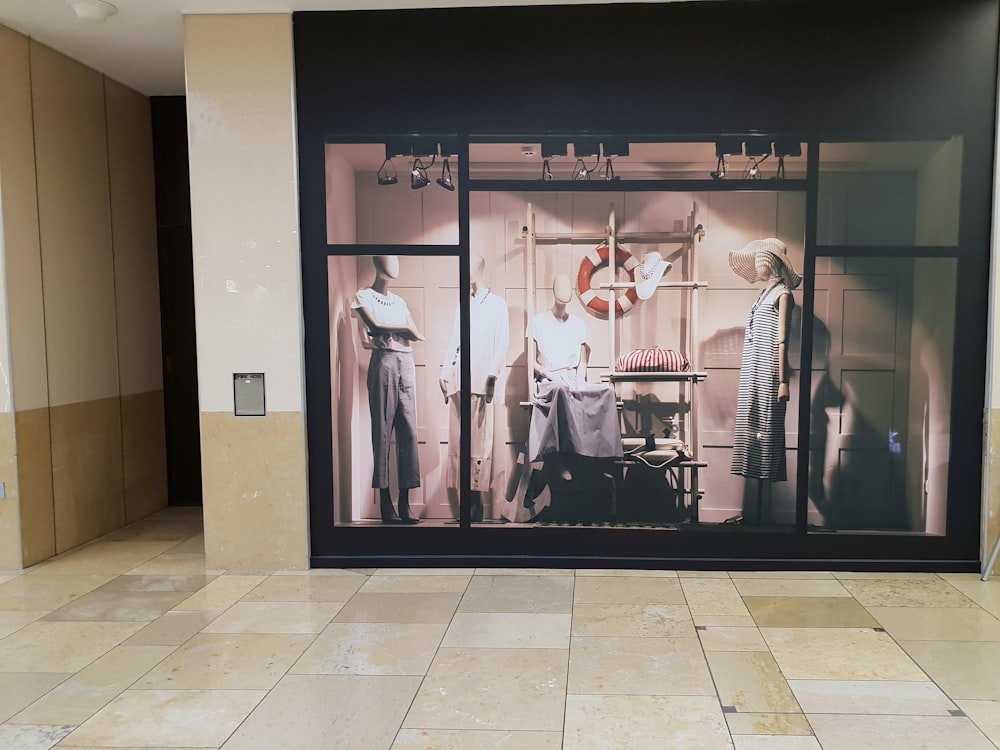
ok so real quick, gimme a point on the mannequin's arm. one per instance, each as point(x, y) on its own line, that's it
point(408, 328)
point(581, 369)
point(784, 316)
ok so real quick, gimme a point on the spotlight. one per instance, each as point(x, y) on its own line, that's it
point(418, 175)
point(785, 147)
point(445, 180)
point(608, 173)
point(546, 170)
point(724, 147)
point(758, 146)
point(387, 173)
point(580, 171)
point(720, 170)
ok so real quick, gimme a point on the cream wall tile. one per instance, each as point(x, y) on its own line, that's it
point(253, 478)
point(10, 521)
point(34, 484)
point(145, 454)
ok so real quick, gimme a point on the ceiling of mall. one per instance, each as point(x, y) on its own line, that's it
point(142, 44)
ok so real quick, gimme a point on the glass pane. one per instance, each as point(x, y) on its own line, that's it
point(403, 200)
point(890, 193)
point(881, 394)
point(389, 416)
point(594, 160)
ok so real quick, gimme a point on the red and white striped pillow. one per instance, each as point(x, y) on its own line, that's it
point(652, 360)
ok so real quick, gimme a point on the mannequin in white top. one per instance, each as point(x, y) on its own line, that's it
point(561, 349)
point(388, 330)
point(489, 329)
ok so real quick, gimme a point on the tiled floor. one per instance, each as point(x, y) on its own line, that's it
point(131, 643)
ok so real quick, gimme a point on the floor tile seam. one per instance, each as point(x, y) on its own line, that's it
point(420, 685)
point(249, 713)
point(69, 676)
point(708, 667)
point(569, 655)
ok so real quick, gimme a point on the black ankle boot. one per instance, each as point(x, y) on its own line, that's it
point(385, 507)
point(404, 509)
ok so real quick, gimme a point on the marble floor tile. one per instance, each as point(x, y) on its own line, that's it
point(890, 575)
point(634, 620)
point(471, 739)
point(306, 588)
point(102, 557)
point(167, 718)
point(984, 593)
point(906, 593)
point(840, 654)
point(81, 696)
point(644, 722)
point(626, 590)
point(424, 571)
point(817, 612)
point(275, 617)
point(543, 594)
point(157, 530)
point(415, 584)
point(638, 666)
point(172, 564)
point(180, 513)
point(221, 593)
point(937, 623)
point(791, 575)
point(839, 732)
point(46, 593)
point(110, 606)
point(507, 630)
point(713, 597)
point(702, 574)
point(216, 661)
point(964, 670)
point(751, 681)
point(19, 690)
point(431, 608)
point(193, 546)
point(4, 577)
point(985, 715)
point(372, 648)
point(871, 697)
point(775, 742)
point(770, 724)
point(61, 646)
point(789, 587)
point(189, 583)
point(172, 629)
point(723, 621)
point(628, 572)
point(327, 712)
point(525, 572)
point(731, 639)
point(31, 736)
point(492, 689)
point(13, 620)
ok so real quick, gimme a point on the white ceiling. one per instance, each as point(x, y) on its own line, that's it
point(142, 45)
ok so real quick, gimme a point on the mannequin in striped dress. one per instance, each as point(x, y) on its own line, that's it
point(759, 436)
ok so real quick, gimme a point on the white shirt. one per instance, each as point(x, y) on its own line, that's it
point(559, 343)
point(384, 310)
point(489, 330)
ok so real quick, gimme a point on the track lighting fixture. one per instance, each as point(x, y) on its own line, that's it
point(608, 173)
point(728, 146)
point(445, 179)
point(418, 175)
point(720, 169)
point(546, 170)
point(784, 147)
point(580, 171)
point(387, 173)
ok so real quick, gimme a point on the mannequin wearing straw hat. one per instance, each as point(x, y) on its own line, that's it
point(759, 435)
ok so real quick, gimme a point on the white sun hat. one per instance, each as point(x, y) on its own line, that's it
point(771, 253)
point(648, 274)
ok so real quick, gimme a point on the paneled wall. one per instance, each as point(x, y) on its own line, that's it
point(81, 293)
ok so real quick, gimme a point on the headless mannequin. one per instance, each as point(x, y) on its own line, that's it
point(477, 270)
point(386, 270)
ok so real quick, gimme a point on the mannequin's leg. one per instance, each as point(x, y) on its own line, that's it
point(385, 505)
point(476, 510)
point(404, 507)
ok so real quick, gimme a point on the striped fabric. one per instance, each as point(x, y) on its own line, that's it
point(759, 437)
point(652, 360)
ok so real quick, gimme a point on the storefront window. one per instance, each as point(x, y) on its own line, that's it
point(890, 193)
point(883, 336)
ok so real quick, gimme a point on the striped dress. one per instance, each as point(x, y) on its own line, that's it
point(759, 437)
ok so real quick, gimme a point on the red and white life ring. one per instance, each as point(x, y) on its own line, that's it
point(598, 303)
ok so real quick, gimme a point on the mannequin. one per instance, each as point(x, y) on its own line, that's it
point(388, 330)
point(570, 417)
point(489, 337)
point(759, 439)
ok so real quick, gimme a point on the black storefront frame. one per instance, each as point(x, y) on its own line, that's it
point(466, 545)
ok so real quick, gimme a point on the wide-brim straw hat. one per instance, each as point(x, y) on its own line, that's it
point(771, 251)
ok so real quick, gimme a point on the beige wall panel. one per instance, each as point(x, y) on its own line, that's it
point(34, 482)
point(19, 224)
point(10, 527)
point(75, 228)
point(255, 494)
point(244, 196)
point(133, 227)
point(86, 470)
point(144, 454)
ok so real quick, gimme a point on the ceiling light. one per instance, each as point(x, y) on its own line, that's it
point(720, 169)
point(580, 171)
point(387, 173)
point(92, 11)
point(546, 170)
point(608, 173)
point(445, 180)
point(418, 175)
